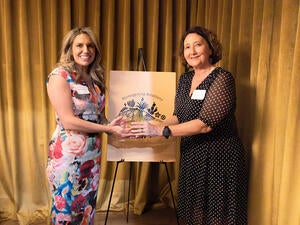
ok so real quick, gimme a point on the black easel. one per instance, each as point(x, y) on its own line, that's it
point(140, 57)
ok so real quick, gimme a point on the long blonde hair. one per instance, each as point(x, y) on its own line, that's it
point(66, 60)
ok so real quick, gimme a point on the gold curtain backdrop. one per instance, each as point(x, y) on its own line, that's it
point(261, 40)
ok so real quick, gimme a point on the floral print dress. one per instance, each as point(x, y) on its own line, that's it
point(73, 167)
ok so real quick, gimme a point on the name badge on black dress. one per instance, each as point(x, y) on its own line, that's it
point(198, 94)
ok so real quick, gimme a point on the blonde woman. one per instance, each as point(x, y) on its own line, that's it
point(76, 91)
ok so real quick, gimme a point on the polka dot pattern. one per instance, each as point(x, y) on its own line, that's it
point(213, 177)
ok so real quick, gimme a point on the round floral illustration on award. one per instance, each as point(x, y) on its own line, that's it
point(141, 111)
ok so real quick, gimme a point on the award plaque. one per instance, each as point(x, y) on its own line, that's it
point(141, 96)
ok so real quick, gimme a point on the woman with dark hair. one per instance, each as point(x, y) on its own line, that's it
point(76, 91)
point(213, 177)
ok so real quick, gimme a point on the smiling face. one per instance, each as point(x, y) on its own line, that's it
point(83, 51)
point(196, 51)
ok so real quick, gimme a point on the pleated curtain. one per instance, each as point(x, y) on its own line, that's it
point(261, 42)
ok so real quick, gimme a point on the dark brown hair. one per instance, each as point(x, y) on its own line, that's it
point(211, 39)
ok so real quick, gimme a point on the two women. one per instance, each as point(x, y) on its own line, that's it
point(213, 177)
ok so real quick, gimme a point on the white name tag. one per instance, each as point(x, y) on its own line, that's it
point(198, 94)
point(82, 90)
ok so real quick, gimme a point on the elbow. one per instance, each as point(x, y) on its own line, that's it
point(67, 123)
point(67, 126)
point(207, 129)
point(204, 128)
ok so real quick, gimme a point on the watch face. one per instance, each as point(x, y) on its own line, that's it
point(166, 132)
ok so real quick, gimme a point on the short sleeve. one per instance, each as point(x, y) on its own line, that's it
point(219, 101)
point(60, 71)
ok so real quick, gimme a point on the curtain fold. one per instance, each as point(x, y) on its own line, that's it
point(261, 47)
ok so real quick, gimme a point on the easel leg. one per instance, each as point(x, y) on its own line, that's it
point(112, 189)
point(171, 191)
point(128, 192)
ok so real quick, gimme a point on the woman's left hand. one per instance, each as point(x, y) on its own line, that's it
point(142, 129)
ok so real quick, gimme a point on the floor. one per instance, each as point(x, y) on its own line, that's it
point(164, 216)
point(153, 217)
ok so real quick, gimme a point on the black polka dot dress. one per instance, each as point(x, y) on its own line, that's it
point(213, 176)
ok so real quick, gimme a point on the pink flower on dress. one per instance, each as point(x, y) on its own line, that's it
point(59, 202)
point(97, 144)
point(55, 149)
point(62, 217)
point(74, 145)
